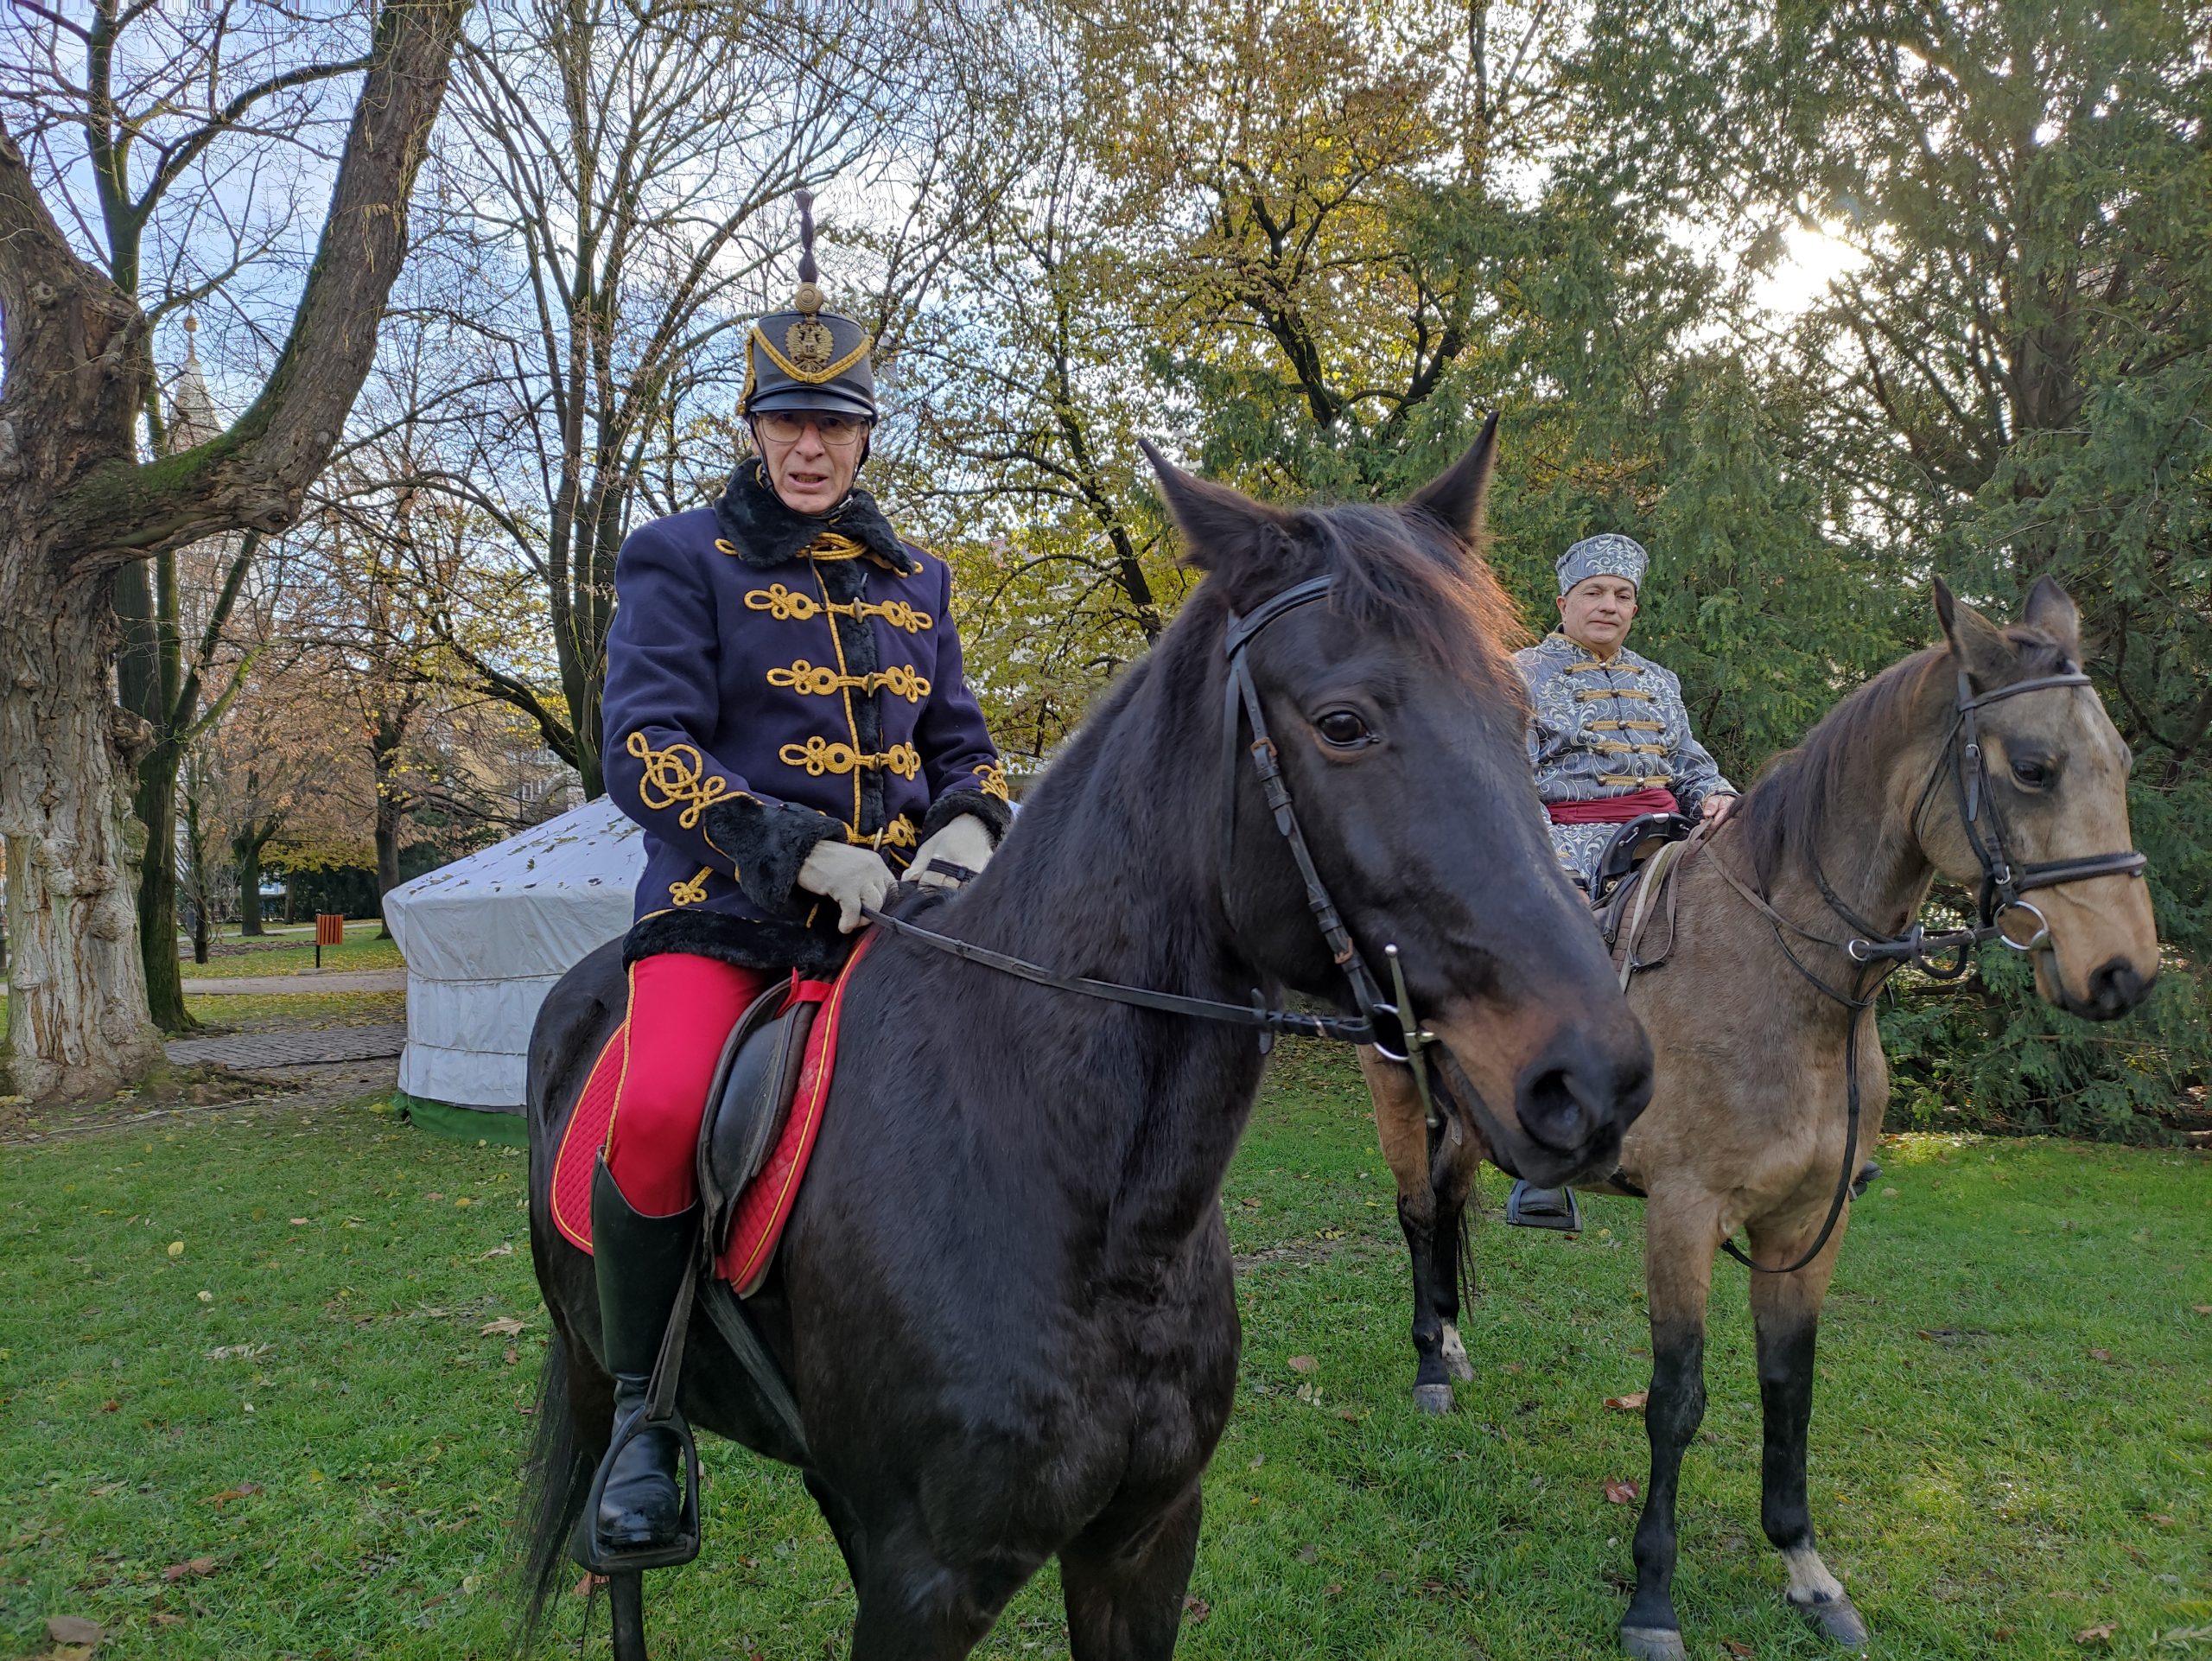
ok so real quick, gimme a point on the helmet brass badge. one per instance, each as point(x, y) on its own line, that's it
point(809, 346)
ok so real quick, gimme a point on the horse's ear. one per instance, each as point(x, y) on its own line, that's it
point(2051, 609)
point(1976, 642)
point(1458, 494)
point(1224, 530)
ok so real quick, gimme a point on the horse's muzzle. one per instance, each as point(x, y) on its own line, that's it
point(1572, 1100)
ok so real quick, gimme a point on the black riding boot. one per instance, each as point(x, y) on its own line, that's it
point(640, 1263)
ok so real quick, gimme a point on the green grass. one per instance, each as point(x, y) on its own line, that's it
point(233, 958)
point(1990, 1487)
point(256, 1011)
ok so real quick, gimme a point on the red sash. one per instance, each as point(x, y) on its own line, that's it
point(1615, 810)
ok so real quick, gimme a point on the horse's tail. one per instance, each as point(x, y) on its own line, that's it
point(556, 1483)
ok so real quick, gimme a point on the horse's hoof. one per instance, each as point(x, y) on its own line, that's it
point(1653, 1643)
point(1433, 1398)
point(1839, 1621)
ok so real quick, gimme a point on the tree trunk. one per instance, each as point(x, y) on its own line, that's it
point(203, 885)
point(155, 807)
point(77, 1016)
point(249, 894)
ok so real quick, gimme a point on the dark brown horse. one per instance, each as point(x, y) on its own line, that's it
point(1004, 1300)
point(1753, 1013)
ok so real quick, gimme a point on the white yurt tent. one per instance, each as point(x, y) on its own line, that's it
point(485, 938)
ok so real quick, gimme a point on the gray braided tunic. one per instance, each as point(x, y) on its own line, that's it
point(1608, 727)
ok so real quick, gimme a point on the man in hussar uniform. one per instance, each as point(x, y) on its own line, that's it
point(785, 715)
point(1610, 739)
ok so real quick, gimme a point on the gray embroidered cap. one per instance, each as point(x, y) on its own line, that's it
point(1609, 555)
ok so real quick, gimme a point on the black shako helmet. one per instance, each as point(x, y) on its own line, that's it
point(807, 359)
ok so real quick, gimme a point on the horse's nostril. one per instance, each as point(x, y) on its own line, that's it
point(2116, 987)
point(1551, 1111)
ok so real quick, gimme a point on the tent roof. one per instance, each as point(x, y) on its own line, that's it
point(532, 905)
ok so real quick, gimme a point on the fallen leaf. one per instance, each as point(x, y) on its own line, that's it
point(589, 1584)
point(2201, 1309)
point(185, 1570)
point(107, 1488)
point(1631, 1403)
point(207, 1297)
point(511, 1356)
point(1196, 1610)
point(504, 1326)
point(2101, 1355)
point(433, 1196)
point(163, 1618)
point(1351, 1416)
point(1618, 1492)
point(109, 1405)
point(75, 1630)
point(1309, 1554)
point(299, 1222)
point(241, 1491)
point(2097, 1634)
point(1734, 1648)
point(1333, 1589)
point(176, 1248)
point(1303, 1364)
point(505, 1249)
point(2159, 1518)
point(464, 1200)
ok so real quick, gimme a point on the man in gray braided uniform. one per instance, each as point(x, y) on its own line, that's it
point(1609, 737)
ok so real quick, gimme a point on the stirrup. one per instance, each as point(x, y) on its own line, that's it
point(594, 1554)
point(1521, 1215)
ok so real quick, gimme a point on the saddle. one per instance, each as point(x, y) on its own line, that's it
point(1632, 882)
point(749, 1103)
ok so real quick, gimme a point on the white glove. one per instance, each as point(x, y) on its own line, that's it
point(852, 876)
point(965, 842)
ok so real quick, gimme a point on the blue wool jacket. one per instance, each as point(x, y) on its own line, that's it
point(774, 680)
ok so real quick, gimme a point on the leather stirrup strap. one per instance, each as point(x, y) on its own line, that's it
point(668, 1366)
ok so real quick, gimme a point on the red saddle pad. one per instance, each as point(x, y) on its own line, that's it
point(766, 1204)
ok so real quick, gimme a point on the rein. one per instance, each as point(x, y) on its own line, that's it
point(1378, 1016)
point(1876, 954)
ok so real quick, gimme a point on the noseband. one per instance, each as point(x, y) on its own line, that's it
point(1378, 1022)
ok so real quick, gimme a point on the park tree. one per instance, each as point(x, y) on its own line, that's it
point(1026, 384)
point(2011, 379)
point(80, 498)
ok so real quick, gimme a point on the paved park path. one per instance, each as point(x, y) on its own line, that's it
point(328, 980)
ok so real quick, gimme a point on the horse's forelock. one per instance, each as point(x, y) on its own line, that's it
point(1404, 573)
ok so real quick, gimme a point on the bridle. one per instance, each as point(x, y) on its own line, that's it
point(1876, 953)
point(1380, 1021)
point(2004, 880)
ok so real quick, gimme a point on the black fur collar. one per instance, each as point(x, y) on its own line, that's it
point(765, 533)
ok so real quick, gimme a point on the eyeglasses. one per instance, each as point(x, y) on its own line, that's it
point(788, 426)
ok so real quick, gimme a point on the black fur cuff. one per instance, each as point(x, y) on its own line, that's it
point(996, 814)
point(749, 943)
point(767, 845)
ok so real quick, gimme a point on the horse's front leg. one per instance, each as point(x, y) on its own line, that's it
point(1680, 1239)
point(1402, 1128)
point(1786, 1309)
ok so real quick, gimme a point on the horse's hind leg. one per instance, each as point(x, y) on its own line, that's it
point(1786, 1309)
point(1678, 1270)
point(1125, 1592)
point(1403, 1130)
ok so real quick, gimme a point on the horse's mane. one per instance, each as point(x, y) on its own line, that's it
point(1781, 816)
point(1400, 570)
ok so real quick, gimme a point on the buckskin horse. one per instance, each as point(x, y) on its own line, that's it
point(1003, 1300)
point(1987, 759)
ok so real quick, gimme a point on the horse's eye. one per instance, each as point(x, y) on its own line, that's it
point(2032, 775)
point(1344, 730)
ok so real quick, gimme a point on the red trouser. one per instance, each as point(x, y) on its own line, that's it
point(682, 1008)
